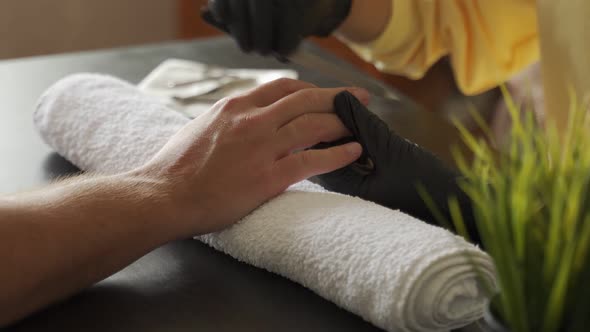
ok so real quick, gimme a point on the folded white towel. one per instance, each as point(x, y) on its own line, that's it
point(396, 272)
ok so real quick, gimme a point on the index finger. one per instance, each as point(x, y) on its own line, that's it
point(310, 101)
point(271, 92)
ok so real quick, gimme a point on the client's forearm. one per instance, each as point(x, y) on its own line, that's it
point(59, 240)
point(367, 20)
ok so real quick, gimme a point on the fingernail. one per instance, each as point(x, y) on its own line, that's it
point(354, 149)
point(361, 94)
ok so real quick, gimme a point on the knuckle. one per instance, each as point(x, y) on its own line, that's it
point(233, 104)
point(259, 117)
point(312, 124)
point(315, 124)
point(248, 121)
point(286, 84)
point(305, 120)
point(292, 130)
point(220, 104)
point(304, 159)
point(300, 127)
point(309, 98)
point(242, 124)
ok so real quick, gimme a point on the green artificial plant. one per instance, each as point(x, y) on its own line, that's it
point(532, 208)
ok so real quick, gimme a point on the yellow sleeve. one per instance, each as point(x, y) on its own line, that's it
point(488, 40)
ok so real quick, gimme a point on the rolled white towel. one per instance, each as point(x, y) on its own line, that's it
point(393, 270)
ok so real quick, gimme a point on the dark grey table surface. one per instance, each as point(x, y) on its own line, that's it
point(183, 286)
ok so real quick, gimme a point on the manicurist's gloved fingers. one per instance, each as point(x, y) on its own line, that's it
point(269, 93)
point(308, 130)
point(310, 101)
point(277, 26)
point(346, 180)
point(220, 10)
point(305, 164)
point(262, 25)
point(239, 24)
point(288, 33)
point(367, 128)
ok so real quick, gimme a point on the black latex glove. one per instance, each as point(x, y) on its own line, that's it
point(276, 26)
point(391, 168)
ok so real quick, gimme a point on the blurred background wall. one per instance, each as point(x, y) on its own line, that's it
point(40, 27)
point(35, 27)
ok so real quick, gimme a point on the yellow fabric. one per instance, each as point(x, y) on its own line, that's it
point(488, 40)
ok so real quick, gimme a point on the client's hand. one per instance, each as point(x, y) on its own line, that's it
point(246, 150)
point(391, 167)
point(60, 239)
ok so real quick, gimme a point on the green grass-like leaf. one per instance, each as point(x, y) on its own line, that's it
point(532, 208)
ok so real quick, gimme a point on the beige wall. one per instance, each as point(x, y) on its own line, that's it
point(33, 27)
point(565, 48)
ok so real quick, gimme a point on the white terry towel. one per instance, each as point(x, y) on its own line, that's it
point(393, 270)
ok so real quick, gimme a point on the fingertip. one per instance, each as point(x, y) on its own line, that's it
point(354, 149)
point(341, 156)
point(361, 94)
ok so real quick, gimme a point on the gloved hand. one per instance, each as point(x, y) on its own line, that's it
point(276, 26)
point(391, 168)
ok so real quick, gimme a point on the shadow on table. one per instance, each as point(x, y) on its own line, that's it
point(56, 166)
point(187, 286)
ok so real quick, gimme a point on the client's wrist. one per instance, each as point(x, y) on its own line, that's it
point(167, 202)
point(145, 200)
